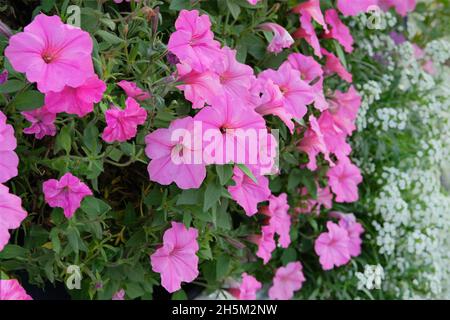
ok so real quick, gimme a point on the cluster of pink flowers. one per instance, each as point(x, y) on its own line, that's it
point(12, 290)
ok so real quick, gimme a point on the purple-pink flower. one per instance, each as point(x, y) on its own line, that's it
point(334, 65)
point(176, 260)
point(265, 242)
point(287, 280)
point(343, 180)
point(176, 155)
point(11, 214)
point(76, 100)
point(279, 218)
point(12, 290)
point(119, 295)
point(354, 230)
point(66, 193)
point(281, 38)
point(247, 289)
point(51, 53)
point(332, 247)
point(121, 124)
point(339, 31)
point(133, 91)
point(42, 122)
point(9, 160)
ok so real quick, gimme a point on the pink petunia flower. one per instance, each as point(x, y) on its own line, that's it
point(235, 78)
point(12, 290)
point(334, 65)
point(339, 31)
point(343, 180)
point(307, 32)
point(308, 67)
point(121, 124)
point(344, 108)
point(334, 136)
point(119, 295)
point(66, 193)
point(248, 193)
point(287, 280)
point(176, 155)
point(79, 100)
point(9, 161)
point(332, 247)
point(247, 289)
point(265, 242)
point(281, 38)
point(403, 7)
point(253, 2)
point(279, 218)
point(353, 8)
point(176, 260)
point(296, 93)
point(193, 41)
point(42, 122)
point(311, 8)
point(11, 214)
point(354, 229)
point(199, 87)
point(51, 53)
point(324, 199)
point(228, 122)
point(133, 91)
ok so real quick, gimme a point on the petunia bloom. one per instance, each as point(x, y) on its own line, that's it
point(42, 122)
point(248, 193)
point(265, 242)
point(12, 290)
point(193, 41)
point(332, 247)
point(339, 31)
point(133, 91)
point(51, 53)
point(247, 289)
point(344, 108)
point(176, 260)
point(343, 180)
point(403, 7)
point(11, 214)
point(354, 230)
point(311, 9)
point(281, 38)
point(66, 193)
point(9, 160)
point(287, 280)
point(324, 199)
point(353, 8)
point(119, 295)
point(176, 155)
point(253, 2)
point(334, 65)
point(121, 124)
point(307, 32)
point(79, 100)
point(279, 218)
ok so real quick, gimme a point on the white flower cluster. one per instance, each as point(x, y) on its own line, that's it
point(438, 50)
point(389, 118)
point(371, 278)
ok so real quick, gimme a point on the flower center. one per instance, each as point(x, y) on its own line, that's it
point(48, 58)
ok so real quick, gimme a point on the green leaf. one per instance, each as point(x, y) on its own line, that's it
point(28, 100)
point(189, 197)
point(179, 4)
point(64, 140)
point(90, 138)
point(12, 86)
point(73, 236)
point(179, 295)
point(109, 37)
point(11, 251)
point(222, 266)
point(247, 172)
point(340, 53)
point(212, 195)
point(234, 8)
point(94, 207)
point(225, 173)
point(134, 290)
point(56, 243)
point(289, 255)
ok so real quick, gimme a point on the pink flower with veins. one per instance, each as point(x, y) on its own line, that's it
point(177, 259)
point(193, 41)
point(307, 32)
point(42, 122)
point(79, 100)
point(228, 122)
point(308, 67)
point(247, 289)
point(334, 65)
point(9, 161)
point(235, 78)
point(353, 8)
point(296, 93)
point(311, 8)
point(339, 31)
point(265, 242)
point(12, 290)
point(66, 193)
point(335, 138)
point(332, 247)
point(121, 124)
point(343, 180)
point(279, 218)
point(313, 143)
point(11, 215)
point(199, 87)
point(354, 229)
point(248, 193)
point(133, 91)
point(344, 108)
point(281, 38)
point(51, 53)
point(175, 155)
point(287, 280)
